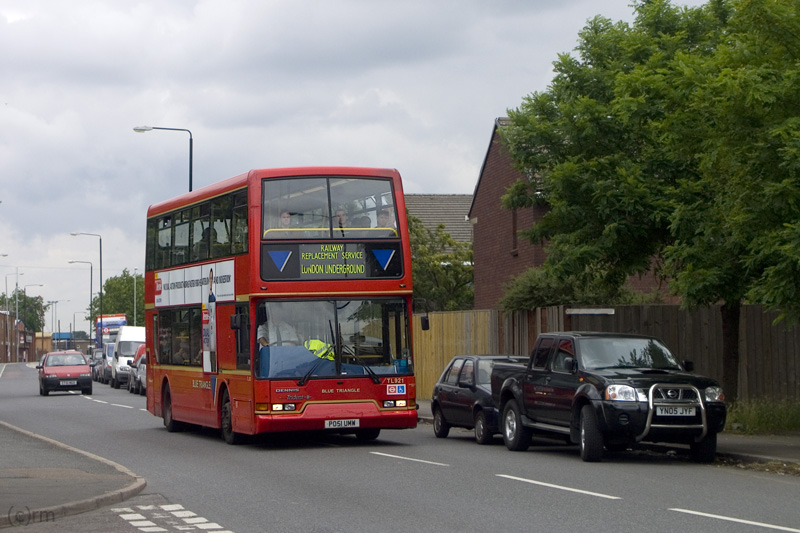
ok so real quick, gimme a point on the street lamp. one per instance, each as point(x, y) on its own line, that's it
point(74, 329)
point(8, 315)
point(18, 274)
point(53, 313)
point(91, 267)
point(74, 234)
point(142, 129)
point(25, 297)
point(134, 296)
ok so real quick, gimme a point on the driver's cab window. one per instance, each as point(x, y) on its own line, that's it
point(278, 326)
point(565, 351)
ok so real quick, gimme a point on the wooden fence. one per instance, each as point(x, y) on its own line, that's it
point(769, 354)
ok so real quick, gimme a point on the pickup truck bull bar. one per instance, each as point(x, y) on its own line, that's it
point(672, 395)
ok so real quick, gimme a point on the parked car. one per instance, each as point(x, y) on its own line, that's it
point(97, 367)
point(138, 373)
point(64, 371)
point(608, 390)
point(128, 340)
point(108, 357)
point(463, 397)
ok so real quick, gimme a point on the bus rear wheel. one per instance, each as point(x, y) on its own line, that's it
point(226, 422)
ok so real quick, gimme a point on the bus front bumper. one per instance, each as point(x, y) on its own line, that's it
point(336, 417)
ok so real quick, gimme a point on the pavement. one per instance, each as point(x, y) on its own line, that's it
point(44, 480)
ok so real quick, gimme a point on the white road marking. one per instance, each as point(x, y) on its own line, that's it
point(737, 520)
point(161, 518)
point(408, 459)
point(560, 487)
point(120, 405)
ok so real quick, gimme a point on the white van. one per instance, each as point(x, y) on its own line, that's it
point(128, 340)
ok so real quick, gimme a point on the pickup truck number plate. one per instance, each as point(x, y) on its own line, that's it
point(341, 424)
point(675, 411)
point(65, 383)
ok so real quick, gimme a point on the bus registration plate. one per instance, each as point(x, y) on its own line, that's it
point(676, 411)
point(341, 424)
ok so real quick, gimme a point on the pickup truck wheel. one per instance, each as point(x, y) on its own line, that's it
point(516, 436)
point(440, 426)
point(591, 442)
point(705, 450)
point(482, 434)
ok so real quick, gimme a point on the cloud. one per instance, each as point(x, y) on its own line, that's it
point(413, 85)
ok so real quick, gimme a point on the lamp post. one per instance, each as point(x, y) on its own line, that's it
point(8, 313)
point(25, 293)
point(142, 129)
point(25, 289)
point(74, 329)
point(25, 298)
point(8, 318)
point(53, 313)
point(134, 296)
point(91, 267)
point(74, 234)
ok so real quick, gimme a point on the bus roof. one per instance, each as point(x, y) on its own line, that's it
point(241, 180)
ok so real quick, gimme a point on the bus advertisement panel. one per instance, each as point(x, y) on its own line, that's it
point(280, 300)
point(107, 328)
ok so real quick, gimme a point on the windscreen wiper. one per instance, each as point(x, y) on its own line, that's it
point(311, 370)
point(375, 379)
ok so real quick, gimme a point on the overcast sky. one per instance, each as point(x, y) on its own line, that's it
point(408, 84)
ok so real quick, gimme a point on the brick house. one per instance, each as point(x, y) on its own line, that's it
point(500, 253)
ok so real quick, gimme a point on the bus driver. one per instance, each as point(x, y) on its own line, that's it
point(275, 330)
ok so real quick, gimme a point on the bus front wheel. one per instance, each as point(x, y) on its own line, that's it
point(226, 422)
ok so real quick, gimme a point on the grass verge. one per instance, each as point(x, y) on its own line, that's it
point(764, 417)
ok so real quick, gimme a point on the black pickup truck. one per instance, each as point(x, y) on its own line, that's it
point(607, 390)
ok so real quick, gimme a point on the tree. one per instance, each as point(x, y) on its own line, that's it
point(31, 308)
point(118, 298)
point(441, 268)
point(674, 138)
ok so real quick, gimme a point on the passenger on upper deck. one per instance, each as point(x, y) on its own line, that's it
point(386, 220)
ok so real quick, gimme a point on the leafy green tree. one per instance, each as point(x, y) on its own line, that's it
point(441, 268)
point(118, 295)
point(675, 138)
point(31, 308)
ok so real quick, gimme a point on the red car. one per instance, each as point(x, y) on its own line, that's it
point(64, 371)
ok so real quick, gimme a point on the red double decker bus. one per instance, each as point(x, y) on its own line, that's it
point(280, 300)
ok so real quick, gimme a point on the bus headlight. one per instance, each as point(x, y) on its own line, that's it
point(394, 403)
point(284, 407)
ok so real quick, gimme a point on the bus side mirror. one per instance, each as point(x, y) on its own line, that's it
point(425, 323)
point(236, 322)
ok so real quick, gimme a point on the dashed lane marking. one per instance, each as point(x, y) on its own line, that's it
point(408, 459)
point(737, 520)
point(560, 487)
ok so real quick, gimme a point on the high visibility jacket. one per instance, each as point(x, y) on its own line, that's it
point(323, 350)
